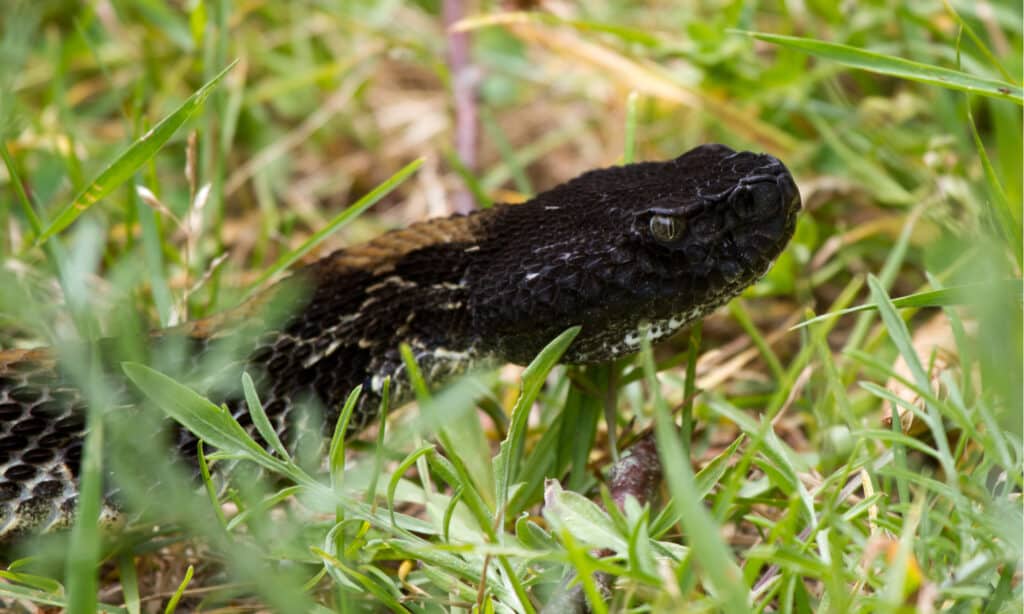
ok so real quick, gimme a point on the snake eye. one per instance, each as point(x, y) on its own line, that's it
point(667, 228)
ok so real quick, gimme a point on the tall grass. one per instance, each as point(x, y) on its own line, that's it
point(162, 160)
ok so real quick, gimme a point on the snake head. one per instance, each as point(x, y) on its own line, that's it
point(729, 227)
point(632, 251)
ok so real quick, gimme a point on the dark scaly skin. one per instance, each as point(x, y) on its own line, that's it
point(494, 286)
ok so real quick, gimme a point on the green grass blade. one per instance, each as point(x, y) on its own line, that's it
point(399, 471)
point(900, 336)
point(1002, 213)
point(701, 530)
point(339, 221)
point(83, 549)
point(125, 165)
point(898, 67)
point(129, 583)
point(19, 191)
point(506, 463)
point(629, 148)
point(982, 47)
point(336, 456)
point(172, 603)
point(378, 455)
point(372, 587)
point(259, 417)
point(967, 294)
point(706, 480)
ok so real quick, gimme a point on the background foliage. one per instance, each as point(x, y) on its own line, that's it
point(163, 159)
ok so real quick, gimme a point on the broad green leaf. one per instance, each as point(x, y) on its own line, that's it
point(585, 520)
point(533, 536)
point(209, 422)
point(898, 67)
point(125, 165)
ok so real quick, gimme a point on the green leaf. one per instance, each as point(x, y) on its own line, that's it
point(259, 417)
point(48, 585)
point(381, 593)
point(898, 67)
point(900, 336)
point(336, 454)
point(211, 423)
point(399, 471)
point(533, 536)
point(585, 520)
point(506, 463)
point(140, 152)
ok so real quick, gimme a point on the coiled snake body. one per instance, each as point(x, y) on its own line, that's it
point(626, 252)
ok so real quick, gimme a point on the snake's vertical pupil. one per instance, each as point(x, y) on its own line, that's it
point(667, 228)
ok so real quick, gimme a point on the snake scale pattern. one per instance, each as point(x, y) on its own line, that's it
point(626, 252)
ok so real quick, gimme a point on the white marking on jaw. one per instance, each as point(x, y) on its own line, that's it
point(530, 276)
point(470, 250)
point(653, 331)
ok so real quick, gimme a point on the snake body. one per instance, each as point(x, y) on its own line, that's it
point(626, 252)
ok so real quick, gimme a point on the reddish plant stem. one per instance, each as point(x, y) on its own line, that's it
point(464, 80)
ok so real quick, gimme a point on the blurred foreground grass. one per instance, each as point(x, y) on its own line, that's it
point(812, 500)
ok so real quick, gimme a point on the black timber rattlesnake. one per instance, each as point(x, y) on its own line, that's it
point(625, 251)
